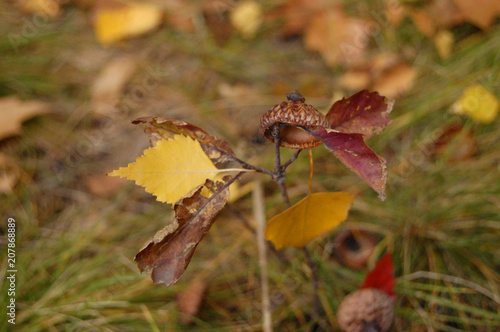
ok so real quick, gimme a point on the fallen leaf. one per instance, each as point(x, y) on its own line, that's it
point(355, 80)
point(309, 218)
point(382, 276)
point(9, 174)
point(297, 15)
point(102, 185)
point(45, 8)
point(443, 41)
point(481, 13)
point(478, 103)
point(396, 80)
point(246, 17)
point(168, 254)
point(190, 299)
point(110, 82)
point(179, 14)
point(424, 22)
point(16, 111)
point(171, 169)
point(339, 38)
point(115, 20)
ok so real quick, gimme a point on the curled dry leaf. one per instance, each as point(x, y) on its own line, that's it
point(168, 254)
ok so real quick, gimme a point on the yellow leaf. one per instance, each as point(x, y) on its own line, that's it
point(171, 169)
point(309, 218)
point(115, 20)
point(246, 17)
point(478, 103)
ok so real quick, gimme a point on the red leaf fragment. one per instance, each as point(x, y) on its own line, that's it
point(217, 149)
point(167, 256)
point(382, 276)
point(365, 113)
point(352, 151)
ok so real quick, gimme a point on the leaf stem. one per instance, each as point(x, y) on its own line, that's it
point(311, 172)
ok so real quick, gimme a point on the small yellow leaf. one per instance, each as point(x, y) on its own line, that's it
point(115, 20)
point(171, 169)
point(246, 17)
point(478, 103)
point(309, 218)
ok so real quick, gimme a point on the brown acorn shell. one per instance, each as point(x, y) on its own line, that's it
point(363, 307)
point(293, 115)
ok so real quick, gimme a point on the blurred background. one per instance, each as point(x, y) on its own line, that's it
point(74, 73)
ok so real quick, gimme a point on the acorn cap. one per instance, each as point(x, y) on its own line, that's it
point(364, 309)
point(292, 115)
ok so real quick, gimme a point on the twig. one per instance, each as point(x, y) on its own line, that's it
point(279, 171)
point(294, 157)
point(259, 213)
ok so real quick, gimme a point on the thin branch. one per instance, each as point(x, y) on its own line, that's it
point(279, 171)
point(294, 157)
point(247, 165)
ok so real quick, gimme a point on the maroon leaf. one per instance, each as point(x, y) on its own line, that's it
point(217, 149)
point(382, 276)
point(365, 113)
point(168, 254)
point(352, 151)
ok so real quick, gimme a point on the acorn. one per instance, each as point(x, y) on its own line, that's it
point(292, 116)
point(367, 309)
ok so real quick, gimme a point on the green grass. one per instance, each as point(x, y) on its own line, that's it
point(75, 249)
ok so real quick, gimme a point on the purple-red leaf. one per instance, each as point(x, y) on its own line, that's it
point(168, 254)
point(352, 151)
point(365, 113)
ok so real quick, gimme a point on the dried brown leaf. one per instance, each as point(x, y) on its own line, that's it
point(339, 38)
point(167, 256)
point(396, 80)
point(481, 13)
